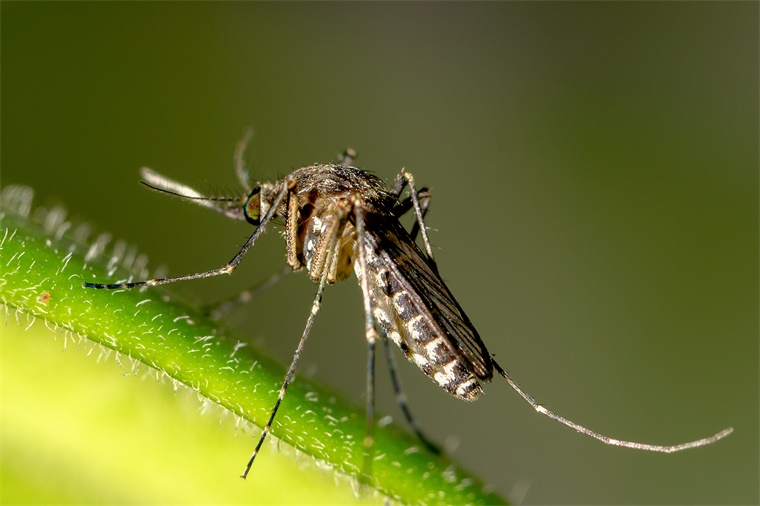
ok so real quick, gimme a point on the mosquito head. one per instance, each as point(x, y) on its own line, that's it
point(252, 207)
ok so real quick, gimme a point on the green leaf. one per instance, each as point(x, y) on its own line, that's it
point(43, 263)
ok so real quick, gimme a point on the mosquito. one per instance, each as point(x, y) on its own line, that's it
point(339, 219)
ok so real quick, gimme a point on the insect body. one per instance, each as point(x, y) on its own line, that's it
point(338, 218)
point(406, 295)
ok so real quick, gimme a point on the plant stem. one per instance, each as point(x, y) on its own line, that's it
point(41, 274)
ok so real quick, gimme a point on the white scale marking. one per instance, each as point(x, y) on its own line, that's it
point(380, 277)
point(399, 300)
point(412, 326)
point(447, 375)
point(381, 316)
point(467, 385)
point(421, 360)
point(432, 347)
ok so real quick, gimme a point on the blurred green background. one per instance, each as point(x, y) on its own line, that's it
point(594, 169)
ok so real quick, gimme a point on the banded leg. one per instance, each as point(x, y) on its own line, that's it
point(403, 180)
point(405, 205)
point(329, 247)
point(540, 408)
point(291, 371)
point(371, 335)
point(402, 401)
point(226, 269)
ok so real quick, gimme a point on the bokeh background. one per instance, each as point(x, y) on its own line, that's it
point(594, 172)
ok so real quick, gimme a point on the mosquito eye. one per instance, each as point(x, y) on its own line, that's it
point(253, 207)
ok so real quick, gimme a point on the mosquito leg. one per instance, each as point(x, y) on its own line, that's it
point(420, 216)
point(291, 371)
point(402, 180)
point(217, 311)
point(369, 435)
point(424, 197)
point(604, 439)
point(240, 169)
point(226, 269)
point(399, 185)
point(371, 335)
point(348, 157)
point(330, 249)
point(404, 206)
point(401, 400)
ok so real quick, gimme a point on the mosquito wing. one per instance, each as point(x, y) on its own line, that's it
point(417, 311)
